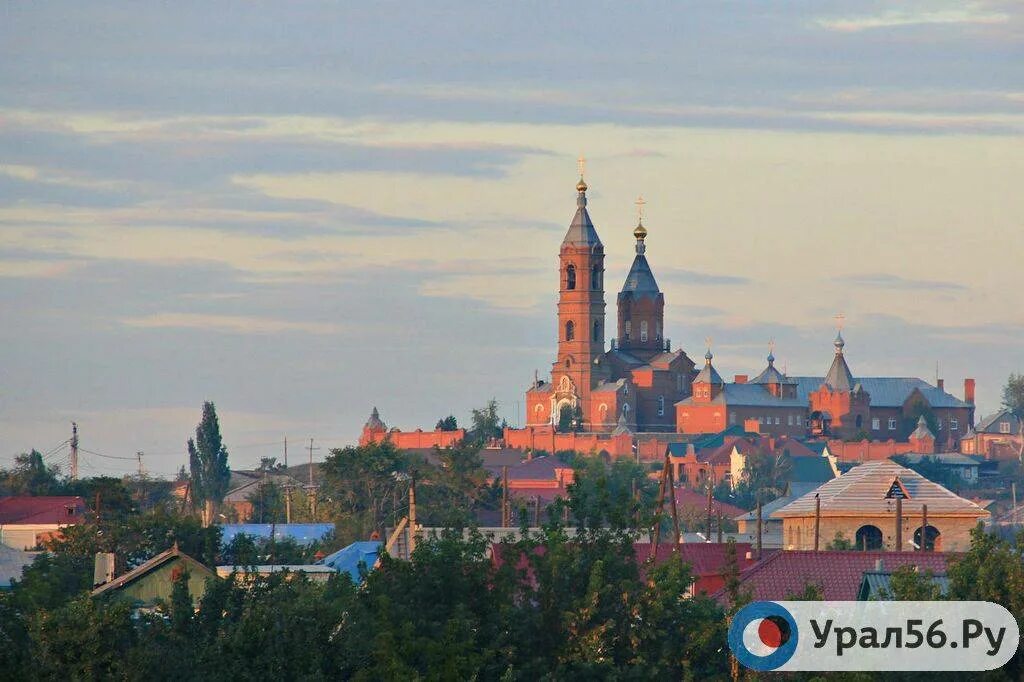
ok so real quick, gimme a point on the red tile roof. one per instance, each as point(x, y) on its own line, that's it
point(688, 498)
point(838, 574)
point(26, 509)
point(704, 558)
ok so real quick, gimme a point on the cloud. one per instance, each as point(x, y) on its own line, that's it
point(883, 280)
point(969, 14)
point(684, 276)
point(231, 324)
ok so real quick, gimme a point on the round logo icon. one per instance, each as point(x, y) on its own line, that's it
point(763, 635)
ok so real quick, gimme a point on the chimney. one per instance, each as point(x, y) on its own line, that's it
point(941, 384)
point(740, 379)
point(969, 391)
point(104, 570)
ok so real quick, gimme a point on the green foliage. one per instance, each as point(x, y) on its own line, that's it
point(840, 543)
point(1013, 394)
point(909, 584)
point(448, 423)
point(486, 424)
point(765, 478)
point(30, 476)
point(208, 459)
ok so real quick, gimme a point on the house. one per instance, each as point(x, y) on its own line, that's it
point(747, 522)
point(838, 574)
point(962, 466)
point(29, 521)
point(997, 436)
point(861, 505)
point(350, 559)
point(153, 581)
point(805, 464)
point(244, 486)
point(876, 584)
point(302, 533)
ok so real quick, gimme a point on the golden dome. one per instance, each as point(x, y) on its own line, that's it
point(640, 232)
point(581, 186)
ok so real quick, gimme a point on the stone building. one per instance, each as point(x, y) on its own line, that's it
point(861, 505)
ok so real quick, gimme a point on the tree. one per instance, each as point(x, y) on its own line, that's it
point(565, 419)
point(486, 423)
point(448, 423)
point(208, 462)
point(30, 476)
point(269, 465)
point(1013, 400)
point(840, 543)
point(363, 485)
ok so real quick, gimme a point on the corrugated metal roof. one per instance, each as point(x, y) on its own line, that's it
point(862, 490)
point(990, 424)
point(347, 559)
point(42, 509)
point(303, 533)
point(878, 584)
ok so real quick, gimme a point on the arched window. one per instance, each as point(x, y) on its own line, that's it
point(643, 330)
point(625, 408)
point(597, 330)
point(859, 421)
point(661, 406)
point(595, 277)
point(657, 331)
point(868, 538)
point(627, 329)
point(570, 276)
point(931, 538)
point(570, 331)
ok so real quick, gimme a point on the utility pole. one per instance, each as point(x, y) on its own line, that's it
point(286, 452)
point(138, 455)
point(311, 449)
point(504, 498)
point(412, 516)
point(312, 488)
point(74, 451)
point(288, 503)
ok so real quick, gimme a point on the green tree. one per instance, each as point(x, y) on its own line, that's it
point(30, 476)
point(486, 424)
point(208, 463)
point(565, 419)
point(448, 423)
point(363, 485)
point(840, 543)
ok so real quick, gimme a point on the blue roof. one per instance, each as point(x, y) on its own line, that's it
point(303, 533)
point(884, 391)
point(347, 559)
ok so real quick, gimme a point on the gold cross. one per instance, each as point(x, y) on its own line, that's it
point(840, 318)
point(771, 346)
point(640, 207)
point(707, 341)
point(581, 163)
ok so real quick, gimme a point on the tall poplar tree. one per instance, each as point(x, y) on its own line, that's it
point(208, 463)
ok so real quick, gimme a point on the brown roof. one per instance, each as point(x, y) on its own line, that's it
point(27, 509)
point(862, 491)
point(837, 573)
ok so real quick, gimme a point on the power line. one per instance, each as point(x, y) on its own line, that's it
point(100, 454)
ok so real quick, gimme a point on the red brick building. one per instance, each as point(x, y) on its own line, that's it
point(633, 384)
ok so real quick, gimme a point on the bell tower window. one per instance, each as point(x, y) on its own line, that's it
point(643, 331)
point(597, 330)
point(570, 331)
point(570, 276)
point(628, 330)
point(595, 277)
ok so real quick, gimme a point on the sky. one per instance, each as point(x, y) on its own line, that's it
point(302, 210)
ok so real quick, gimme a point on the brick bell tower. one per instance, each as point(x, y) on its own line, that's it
point(641, 305)
point(581, 326)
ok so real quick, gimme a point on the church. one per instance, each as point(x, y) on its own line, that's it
point(640, 384)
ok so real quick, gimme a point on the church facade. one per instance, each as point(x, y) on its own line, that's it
point(639, 384)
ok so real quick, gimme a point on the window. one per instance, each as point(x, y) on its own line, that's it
point(661, 406)
point(628, 329)
point(597, 330)
point(892, 423)
point(625, 408)
point(954, 424)
point(570, 331)
point(643, 330)
point(789, 420)
point(938, 424)
point(732, 417)
point(760, 420)
point(570, 276)
point(595, 278)
point(799, 420)
point(778, 420)
point(876, 424)
point(657, 331)
point(1004, 427)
